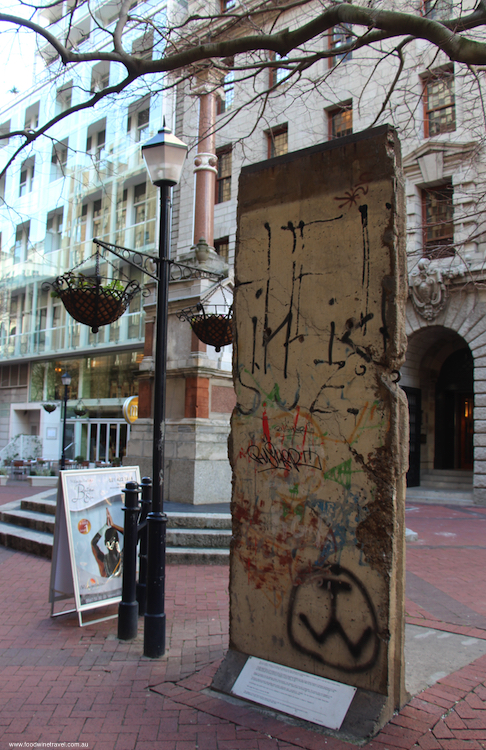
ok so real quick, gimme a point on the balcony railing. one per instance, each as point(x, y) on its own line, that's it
point(72, 336)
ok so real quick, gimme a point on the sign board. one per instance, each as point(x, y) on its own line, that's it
point(130, 409)
point(307, 696)
point(87, 560)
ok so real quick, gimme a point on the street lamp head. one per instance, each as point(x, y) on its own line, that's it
point(66, 379)
point(164, 157)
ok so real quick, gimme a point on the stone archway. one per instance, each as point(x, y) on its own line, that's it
point(430, 377)
point(446, 367)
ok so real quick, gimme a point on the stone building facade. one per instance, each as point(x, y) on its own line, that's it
point(235, 120)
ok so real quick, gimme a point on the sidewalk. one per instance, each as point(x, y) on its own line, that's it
point(62, 683)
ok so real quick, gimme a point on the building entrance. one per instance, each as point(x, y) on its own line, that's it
point(454, 412)
point(102, 440)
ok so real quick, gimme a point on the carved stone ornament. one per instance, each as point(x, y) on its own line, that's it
point(206, 163)
point(427, 289)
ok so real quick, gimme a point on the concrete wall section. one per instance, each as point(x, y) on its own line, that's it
point(319, 433)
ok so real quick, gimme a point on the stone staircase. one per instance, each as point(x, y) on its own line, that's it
point(192, 538)
point(443, 486)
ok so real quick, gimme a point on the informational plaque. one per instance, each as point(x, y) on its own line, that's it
point(316, 699)
point(87, 562)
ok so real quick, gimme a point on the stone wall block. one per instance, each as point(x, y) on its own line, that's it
point(318, 345)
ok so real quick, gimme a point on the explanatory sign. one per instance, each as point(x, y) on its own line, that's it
point(307, 696)
point(87, 561)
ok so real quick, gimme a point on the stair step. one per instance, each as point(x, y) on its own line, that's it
point(450, 472)
point(43, 505)
point(26, 540)
point(199, 538)
point(198, 520)
point(28, 519)
point(192, 538)
point(201, 556)
point(435, 497)
point(445, 485)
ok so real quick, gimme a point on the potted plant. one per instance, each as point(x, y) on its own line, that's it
point(3, 475)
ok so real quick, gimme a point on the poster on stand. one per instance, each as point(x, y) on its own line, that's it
point(87, 561)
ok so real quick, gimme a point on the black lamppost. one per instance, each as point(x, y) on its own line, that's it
point(66, 381)
point(164, 157)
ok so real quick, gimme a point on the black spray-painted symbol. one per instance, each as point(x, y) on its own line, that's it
point(332, 619)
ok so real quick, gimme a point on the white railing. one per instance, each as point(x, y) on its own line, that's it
point(21, 447)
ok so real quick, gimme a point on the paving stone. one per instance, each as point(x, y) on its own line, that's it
point(65, 683)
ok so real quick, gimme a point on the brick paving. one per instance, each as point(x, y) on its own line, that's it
point(65, 684)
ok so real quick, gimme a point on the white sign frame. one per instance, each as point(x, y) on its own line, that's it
point(84, 567)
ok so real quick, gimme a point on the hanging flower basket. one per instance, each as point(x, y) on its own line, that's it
point(215, 329)
point(93, 300)
point(80, 409)
point(49, 408)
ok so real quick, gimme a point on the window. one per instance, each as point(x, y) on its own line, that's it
point(439, 103)
point(26, 176)
point(100, 77)
point(12, 376)
point(140, 214)
point(90, 222)
point(437, 218)
point(31, 121)
point(78, 33)
point(225, 100)
point(59, 160)
point(139, 195)
point(138, 119)
point(121, 212)
point(277, 141)
point(227, 5)
point(4, 129)
point(53, 231)
point(20, 252)
point(96, 140)
point(338, 37)
point(437, 9)
point(82, 223)
point(223, 178)
point(40, 327)
point(64, 98)
point(276, 75)
point(143, 47)
point(222, 248)
point(97, 227)
point(340, 121)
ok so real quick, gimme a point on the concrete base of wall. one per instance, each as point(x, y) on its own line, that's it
point(366, 715)
point(197, 469)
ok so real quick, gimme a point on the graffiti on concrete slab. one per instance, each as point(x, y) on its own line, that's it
point(313, 384)
point(331, 617)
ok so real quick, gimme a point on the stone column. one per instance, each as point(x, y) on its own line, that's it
point(205, 168)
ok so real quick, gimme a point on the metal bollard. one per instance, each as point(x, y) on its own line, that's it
point(142, 553)
point(128, 607)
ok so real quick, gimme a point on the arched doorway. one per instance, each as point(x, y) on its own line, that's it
point(437, 378)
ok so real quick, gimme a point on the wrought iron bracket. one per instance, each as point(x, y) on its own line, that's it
point(137, 259)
